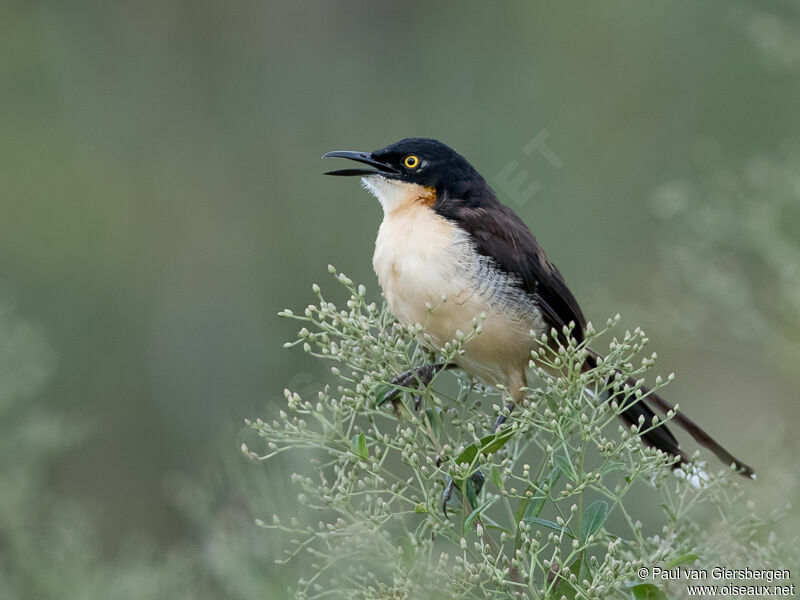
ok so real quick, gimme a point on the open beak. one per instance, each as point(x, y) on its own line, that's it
point(379, 168)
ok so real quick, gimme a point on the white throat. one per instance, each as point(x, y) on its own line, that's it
point(391, 193)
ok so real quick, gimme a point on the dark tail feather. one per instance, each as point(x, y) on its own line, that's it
point(700, 435)
point(661, 437)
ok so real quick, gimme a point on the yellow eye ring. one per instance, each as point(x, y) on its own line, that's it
point(411, 161)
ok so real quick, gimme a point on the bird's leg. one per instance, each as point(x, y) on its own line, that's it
point(477, 479)
point(501, 418)
point(447, 494)
point(517, 395)
point(415, 378)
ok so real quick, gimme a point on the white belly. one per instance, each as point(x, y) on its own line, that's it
point(431, 275)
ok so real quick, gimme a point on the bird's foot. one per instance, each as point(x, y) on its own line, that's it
point(417, 378)
point(501, 418)
point(476, 480)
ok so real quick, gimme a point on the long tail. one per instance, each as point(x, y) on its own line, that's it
point(661, 437)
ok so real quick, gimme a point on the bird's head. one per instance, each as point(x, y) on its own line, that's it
point(412, 170)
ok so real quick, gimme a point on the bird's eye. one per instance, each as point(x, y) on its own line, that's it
point(411, 161)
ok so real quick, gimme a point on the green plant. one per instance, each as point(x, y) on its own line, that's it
point(553, 519)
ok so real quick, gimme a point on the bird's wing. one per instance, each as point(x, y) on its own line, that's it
point(502, 236)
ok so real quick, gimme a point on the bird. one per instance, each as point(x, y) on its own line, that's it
point(448, 250)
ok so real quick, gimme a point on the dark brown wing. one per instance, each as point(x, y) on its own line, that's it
point(498, 233)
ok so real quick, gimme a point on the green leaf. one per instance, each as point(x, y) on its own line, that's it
point(683, 559)
point(407, 552)
point(548, 524)
point(489, 524)
point(534, 507)
point(577, 568)
point(535, 504)
point(564, 590)
point(358, 446)
point(562, 461)
point(584, 572)
point(488, 444)
point(496, 477)
point(593, 518)
point(420, 509)
point(434, 415)
point(609, 467)
point(474, 515)
point(498, 442)
point(470, 491)
point(380, 393)
point(647, 591)
point(522, 507)
point(551, 403)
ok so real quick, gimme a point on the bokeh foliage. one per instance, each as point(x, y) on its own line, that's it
point(159, 204)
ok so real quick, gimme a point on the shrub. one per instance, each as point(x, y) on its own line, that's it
point(553, 518)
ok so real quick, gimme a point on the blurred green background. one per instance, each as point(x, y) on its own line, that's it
point(161, 200)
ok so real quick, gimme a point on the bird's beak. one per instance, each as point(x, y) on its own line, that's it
point(362, 157)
